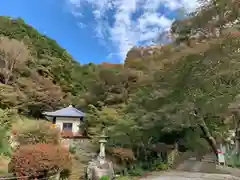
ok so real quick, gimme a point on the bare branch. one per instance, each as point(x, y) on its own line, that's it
point(13, 54)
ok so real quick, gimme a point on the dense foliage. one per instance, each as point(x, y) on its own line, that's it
point(36, 133)
point(40, 160)
point(6, 120)
point(188, 88)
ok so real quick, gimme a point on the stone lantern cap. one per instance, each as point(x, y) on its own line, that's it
point(102, 140)
point(103, 137)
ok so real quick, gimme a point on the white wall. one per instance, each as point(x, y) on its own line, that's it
point(75, 121)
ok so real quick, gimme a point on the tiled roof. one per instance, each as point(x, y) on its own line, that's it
point(65, 112)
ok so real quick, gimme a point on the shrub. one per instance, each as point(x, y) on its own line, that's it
point(162, 167)
point(72, 149)
point(105, 178)
point(7, 117)
point(233, 160)
point(5, 148)
point(37, 132)
point(136, 171)
point(40, 160)
point(126, 155)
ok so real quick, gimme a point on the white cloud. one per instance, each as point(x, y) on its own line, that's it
point(81, 25)
point(75, 6)
point(77, 14)
point(125, 31)
point(74, 2)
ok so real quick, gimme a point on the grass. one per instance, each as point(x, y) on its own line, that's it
point(78, 170)
point(127, 178)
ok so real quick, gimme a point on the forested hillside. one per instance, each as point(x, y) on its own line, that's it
point(184, 92)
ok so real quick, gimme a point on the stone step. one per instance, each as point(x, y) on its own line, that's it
point(187, 165)
point(210, 159)
point(197, 167)
point(182, 166)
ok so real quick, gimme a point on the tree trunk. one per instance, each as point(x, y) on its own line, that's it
point(57, 176)
point(6, 79)
point(237, 140)
point(237, 132)
point(211, 141)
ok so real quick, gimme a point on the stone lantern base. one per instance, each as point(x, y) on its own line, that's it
point(96, 170)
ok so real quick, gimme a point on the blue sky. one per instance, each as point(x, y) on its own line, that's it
point(98, 30)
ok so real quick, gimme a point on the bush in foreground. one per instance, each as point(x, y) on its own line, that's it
point(40, 160)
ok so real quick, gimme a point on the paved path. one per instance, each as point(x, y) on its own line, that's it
point(206, 165)
point(193, 169)
point(177, 175)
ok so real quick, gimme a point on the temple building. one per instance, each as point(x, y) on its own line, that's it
point(68, 119)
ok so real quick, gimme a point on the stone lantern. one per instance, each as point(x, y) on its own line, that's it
point(101, 156)
point(100, 167)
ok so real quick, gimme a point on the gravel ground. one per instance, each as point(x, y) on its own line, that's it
point(175, 175)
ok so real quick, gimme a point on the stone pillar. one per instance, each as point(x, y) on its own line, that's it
point(101, 155)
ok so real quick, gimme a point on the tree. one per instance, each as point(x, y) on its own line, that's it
point(40, 161)
point(42, 95)
point(235, 121)
point(192, 92)
point(10, 96)
point(36, 133)
point(98, 121)
point(210, 20)
point(218, 12)
point(13, 54)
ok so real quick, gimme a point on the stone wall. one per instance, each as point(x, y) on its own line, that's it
point(83, 148)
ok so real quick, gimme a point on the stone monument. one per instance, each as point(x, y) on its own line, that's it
point(100, 167)
point(101, 156)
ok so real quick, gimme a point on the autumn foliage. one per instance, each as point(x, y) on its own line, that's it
point(37, 132)
point(124, 154)
point(13, 54)
point(160, 91)
point(40, 160)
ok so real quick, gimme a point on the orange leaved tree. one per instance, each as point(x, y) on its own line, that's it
point(40, 161)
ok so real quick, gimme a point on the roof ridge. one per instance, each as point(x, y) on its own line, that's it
point(75, 109)
point(64, 111)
